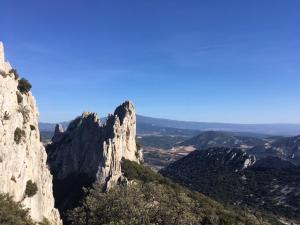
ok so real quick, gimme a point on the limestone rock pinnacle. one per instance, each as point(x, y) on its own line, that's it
point(93, 150)
point(58, 132)
point(4, 65)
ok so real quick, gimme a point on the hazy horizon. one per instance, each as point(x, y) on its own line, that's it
point(228, 62)
point(162, 118)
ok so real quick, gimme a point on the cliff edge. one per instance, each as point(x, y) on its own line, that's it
point(23, 170)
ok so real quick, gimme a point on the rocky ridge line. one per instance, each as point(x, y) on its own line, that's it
point(94, 150)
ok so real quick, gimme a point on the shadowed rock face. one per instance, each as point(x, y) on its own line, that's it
point(92, 151)
point(77, 149)
point(22, 155)
point(59, 130)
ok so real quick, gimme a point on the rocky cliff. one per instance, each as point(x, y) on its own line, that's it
point(22, 156)
point(89, 151)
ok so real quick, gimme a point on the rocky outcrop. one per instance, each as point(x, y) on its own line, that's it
point(22, 155)
point(90, 151)
point(232, 176)
point(215, 159)
point(58, 132)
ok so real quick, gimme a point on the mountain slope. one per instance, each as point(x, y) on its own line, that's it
point(148, 198)
point(289, 147)
point(219, 173)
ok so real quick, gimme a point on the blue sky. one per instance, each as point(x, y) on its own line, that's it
point(222, 61)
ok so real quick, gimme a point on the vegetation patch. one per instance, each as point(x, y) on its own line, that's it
point(25, 111)
point(32, 127)
point(45, 222)
point(138, 149)
point(3, 74)
point(163, 142)
point(31, 189)
point(13, 213)
point(153, 199)
point(24, 86)
point(18, 135)
point(14, 71)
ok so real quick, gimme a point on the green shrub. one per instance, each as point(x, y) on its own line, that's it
point(3, 74)
point(24, 86)
point(13, 213)
point(32, 127)
point(25, 111)
point(137, 204)
point(19, 133)
point(31, 189)
point(138, 146)
point(45, 222)
point(134, 171)
point(14, 71)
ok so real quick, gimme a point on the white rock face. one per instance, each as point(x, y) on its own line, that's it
point(90, 149)
point(120, 143)
point(26, 160)
point(4, 65)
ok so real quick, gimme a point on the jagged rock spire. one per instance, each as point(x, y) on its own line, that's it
point(2, 58)
point(59, 130)
point(91, 150)
point(86, 136)
point(4, 65)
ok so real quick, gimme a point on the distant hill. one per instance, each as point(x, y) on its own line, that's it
point(164, 134)
point(273, 163)
point(230, 176)
point(290, 147)
point(146, 124)
point(287, 148)
point(222, 139)
point(270, 129)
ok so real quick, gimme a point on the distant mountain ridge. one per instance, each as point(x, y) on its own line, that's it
point(152, 123)
point(222, 139)
point(271, 129)
point(287, 148)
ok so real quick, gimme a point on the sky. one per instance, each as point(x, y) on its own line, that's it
point(210, 60)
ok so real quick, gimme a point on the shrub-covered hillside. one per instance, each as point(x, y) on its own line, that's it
point(271, 185)
point(12, 213)
point(149, 198)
